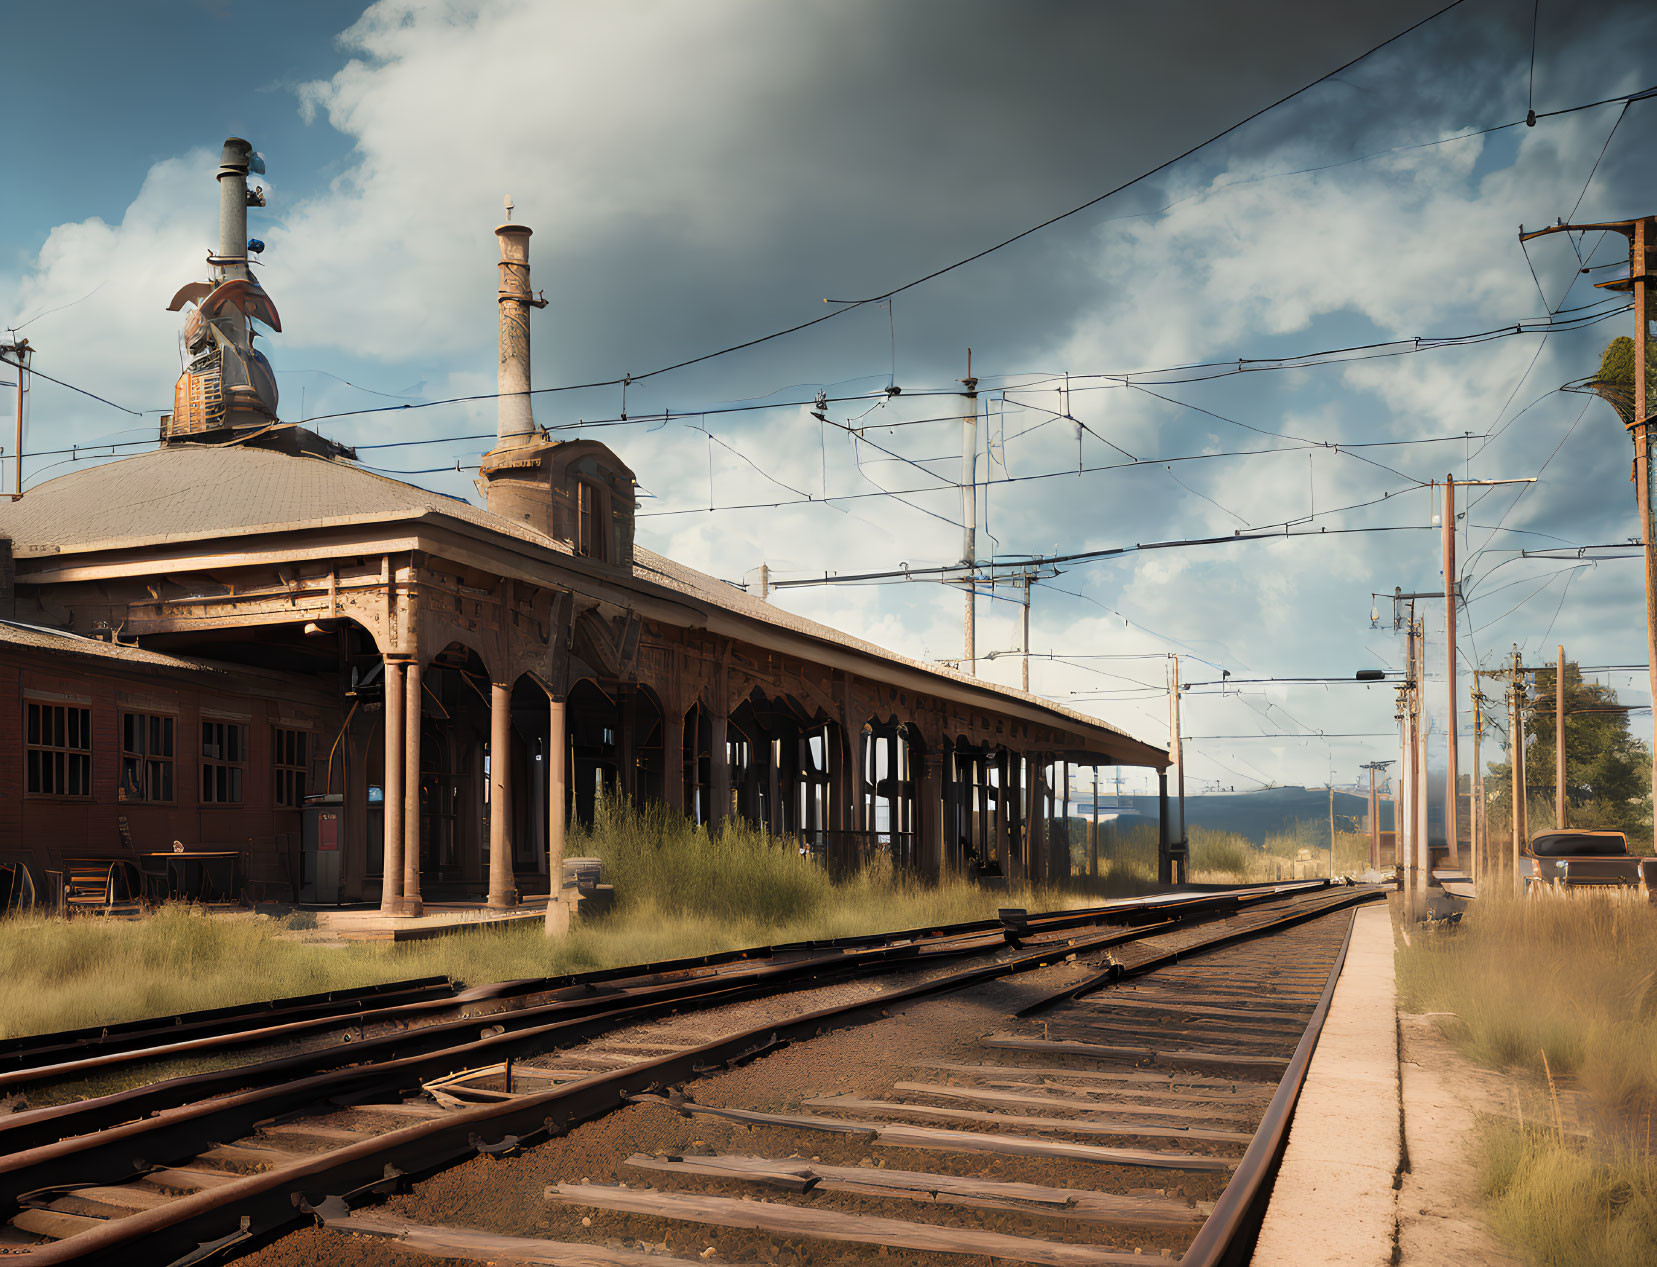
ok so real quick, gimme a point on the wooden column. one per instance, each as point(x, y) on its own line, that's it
point(411, 789)
point(558, 808)
point(1003, 806)
point(719, 770)
point(860, 823)
point(626, 765)
point(391, 791)
point(930, 822)
point(502, 891)
point(774, 820)
point(673, 755)
point(1031, 861)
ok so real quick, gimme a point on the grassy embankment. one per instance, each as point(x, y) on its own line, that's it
point(680, 892)
point(1128, 857)
point(1561, 990)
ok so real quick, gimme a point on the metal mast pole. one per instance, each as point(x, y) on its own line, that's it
point(21, 351)
point(969, 516)
point(1452, 790)
point(1559, 742)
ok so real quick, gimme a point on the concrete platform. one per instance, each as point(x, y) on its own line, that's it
point(438, 919)
point(1334, 1199)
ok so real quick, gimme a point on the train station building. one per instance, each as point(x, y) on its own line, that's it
point(244, 643)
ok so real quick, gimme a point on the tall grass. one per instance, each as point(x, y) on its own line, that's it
point(1571, 975)
point(680, 892)
point(1566, 1206)
point(1557, 986)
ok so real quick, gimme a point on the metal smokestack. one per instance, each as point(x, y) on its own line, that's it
point(515, 418)
point(231, 260)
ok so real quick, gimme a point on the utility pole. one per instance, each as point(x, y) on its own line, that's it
point(1403, 807)
point(1481, 845)
point(1093, 845)
point(1330, 788)
point(1177, 747)
point(1516, 766)
point(1374, 768)
point(1559, 743)
point(1423, 844)
point(20, 352)
point(1025, 673)
point(1374, 823)
point(764, 582)
point(1452, 791)
point(1642, 270)
point(969, 518)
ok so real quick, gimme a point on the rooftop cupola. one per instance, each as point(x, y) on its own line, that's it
point(227, 387)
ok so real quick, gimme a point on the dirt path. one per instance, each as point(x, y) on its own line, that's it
point(1440, 1217)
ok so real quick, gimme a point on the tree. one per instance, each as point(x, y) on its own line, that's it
point(1615, 380)
point(1607, 770)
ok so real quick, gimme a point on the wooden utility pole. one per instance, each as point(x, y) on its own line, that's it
point(1423, 844)
point(1177, 748)
point(1025, 672)
point(969, 518)
point(1559, 743)
point(1516, 766)
point(1636, 413)
point(1330, 788)
point(1481, 846)
point(1374, 823)
point(1452, 790)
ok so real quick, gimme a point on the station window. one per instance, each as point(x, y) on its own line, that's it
point(58, 743)
point(590, 525)
point(223, 762)
point(146, 757)
point(292, 748)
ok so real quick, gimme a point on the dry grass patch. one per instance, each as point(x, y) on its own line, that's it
point(680, 892)
point(1557, 988)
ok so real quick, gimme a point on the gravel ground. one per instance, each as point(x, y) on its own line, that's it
point(506, 1194)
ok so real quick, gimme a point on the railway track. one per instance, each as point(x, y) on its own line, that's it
point(1114, 1053)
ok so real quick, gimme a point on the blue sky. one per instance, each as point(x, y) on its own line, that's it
point(700, 174)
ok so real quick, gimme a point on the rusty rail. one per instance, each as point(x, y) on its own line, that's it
point(254, 1205)
point(248, 1207)
point(1227, 1237)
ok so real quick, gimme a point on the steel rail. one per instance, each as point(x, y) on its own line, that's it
point(1119, 972)
point(31, 1049)
point(112, 1156)
point(258, 1204)
point(1226, 1238)
point(32, 1128)
point(435, 1010)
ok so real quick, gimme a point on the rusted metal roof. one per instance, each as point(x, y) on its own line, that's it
point(204, 492)
point(15, 633)
point(193, 492)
